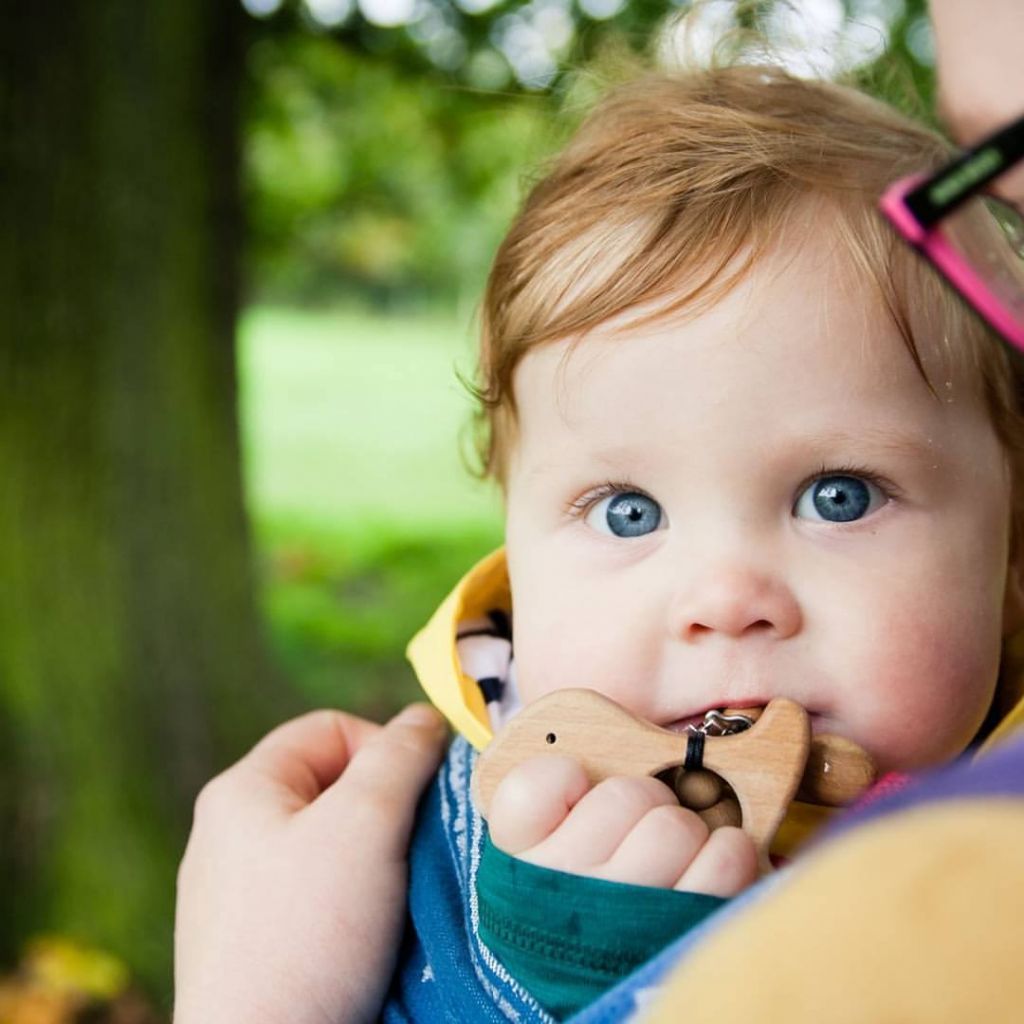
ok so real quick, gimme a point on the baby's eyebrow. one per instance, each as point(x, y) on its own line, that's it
point(883, 439)
point(612, 461)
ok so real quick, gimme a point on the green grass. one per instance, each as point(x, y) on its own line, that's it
point(365, 514)
point(354, 423)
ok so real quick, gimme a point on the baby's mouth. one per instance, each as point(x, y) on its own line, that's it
point(748, 708)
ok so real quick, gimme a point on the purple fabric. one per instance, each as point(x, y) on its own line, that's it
point(999, 773)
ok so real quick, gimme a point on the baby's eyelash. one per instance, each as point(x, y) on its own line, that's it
point(886, 486)
point(579, 507)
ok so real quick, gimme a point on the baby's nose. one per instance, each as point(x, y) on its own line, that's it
point(735, 602)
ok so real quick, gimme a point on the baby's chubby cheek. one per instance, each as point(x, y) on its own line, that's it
point(924, 691)
point(562, 645)
point(550, 658)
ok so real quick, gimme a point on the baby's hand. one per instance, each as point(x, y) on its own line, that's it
point(623, 830)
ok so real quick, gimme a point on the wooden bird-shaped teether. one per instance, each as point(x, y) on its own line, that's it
point(763, 765)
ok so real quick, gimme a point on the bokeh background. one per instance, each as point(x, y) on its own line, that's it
point(241, 248)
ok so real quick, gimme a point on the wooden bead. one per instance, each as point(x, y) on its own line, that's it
point(837, 772)
point(698, 790)
point(725, 812)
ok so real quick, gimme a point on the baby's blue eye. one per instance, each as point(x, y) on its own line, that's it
point(838, 499)
point(625, 515)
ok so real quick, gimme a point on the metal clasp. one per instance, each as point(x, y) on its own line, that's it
point(718, 723)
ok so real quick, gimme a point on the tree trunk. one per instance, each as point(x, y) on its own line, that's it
point(131, 658)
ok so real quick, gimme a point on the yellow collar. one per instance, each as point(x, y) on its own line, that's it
point(434, 655)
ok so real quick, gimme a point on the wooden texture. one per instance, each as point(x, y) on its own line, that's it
point(837, 772)
point(763, 765)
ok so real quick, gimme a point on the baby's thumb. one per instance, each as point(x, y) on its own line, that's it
point(533, 799)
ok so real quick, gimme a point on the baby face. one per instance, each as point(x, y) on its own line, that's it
point(762, 501)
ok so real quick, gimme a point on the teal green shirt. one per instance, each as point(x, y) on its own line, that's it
point(567, 939)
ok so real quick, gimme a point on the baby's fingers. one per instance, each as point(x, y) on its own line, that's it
point(532, 800)
point(725, 865)
point(658, 849)
point(599, 823)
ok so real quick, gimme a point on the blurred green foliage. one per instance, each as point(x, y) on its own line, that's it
point(382, 168)
point(363, 179)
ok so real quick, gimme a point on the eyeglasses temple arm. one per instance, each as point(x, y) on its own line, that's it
point(944, 191)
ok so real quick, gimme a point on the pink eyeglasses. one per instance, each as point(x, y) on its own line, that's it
point(975, 240)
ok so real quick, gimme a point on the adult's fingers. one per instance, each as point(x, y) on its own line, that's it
point(304, 756)
point(533, 800)
point(289, 767)
point(377, 794)
point(725, 866)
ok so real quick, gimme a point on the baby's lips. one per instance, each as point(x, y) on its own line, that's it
point(752, 713)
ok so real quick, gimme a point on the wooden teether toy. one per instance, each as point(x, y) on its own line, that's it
point(764, 765)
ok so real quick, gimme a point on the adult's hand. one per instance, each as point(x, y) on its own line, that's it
point(292, 889)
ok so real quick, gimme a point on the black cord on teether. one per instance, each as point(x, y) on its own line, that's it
point(694, 752)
